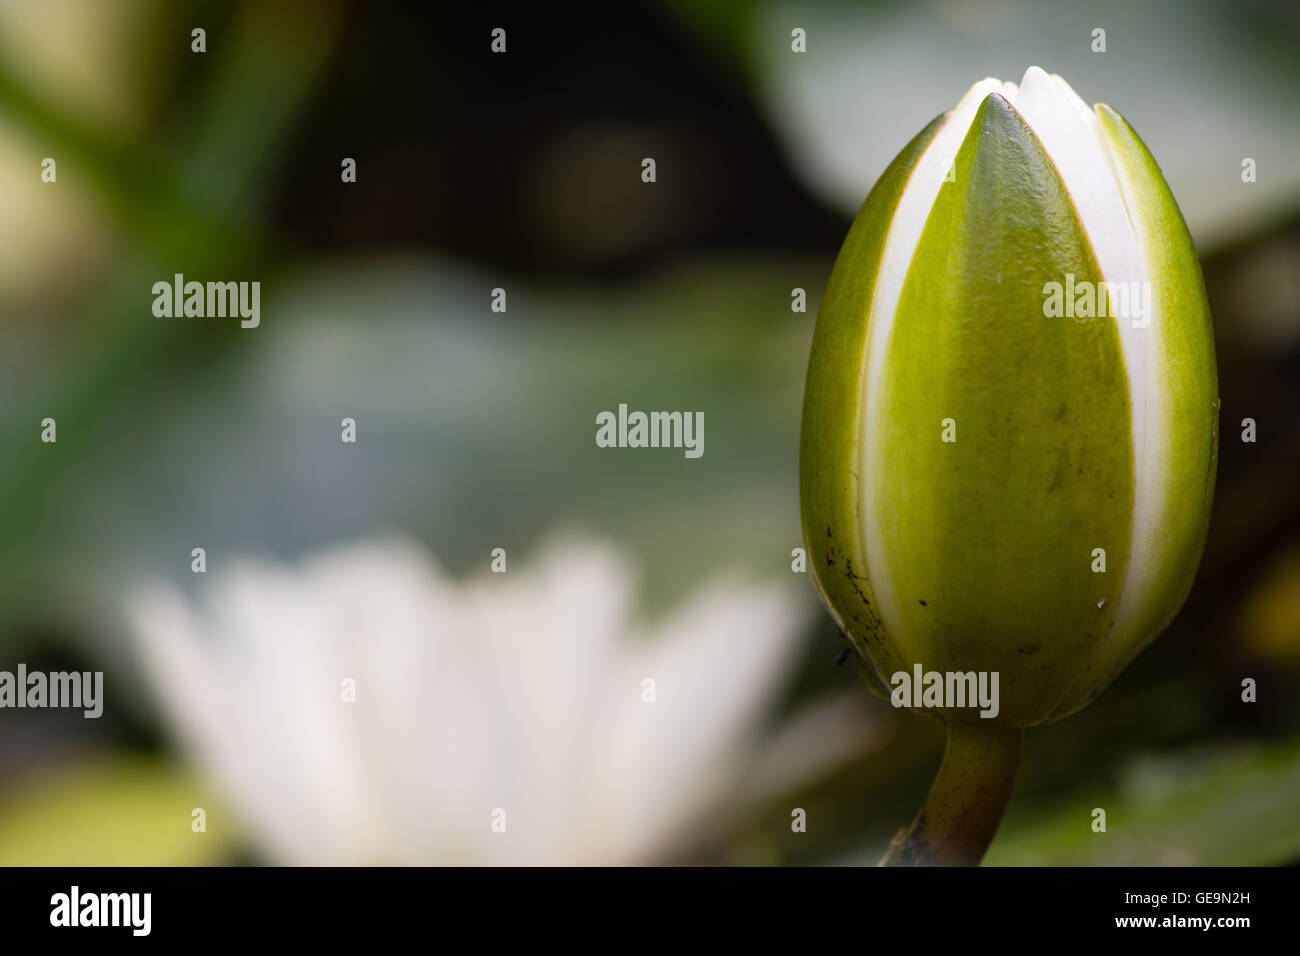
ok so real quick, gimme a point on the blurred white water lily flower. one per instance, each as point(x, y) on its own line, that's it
point(522, 698)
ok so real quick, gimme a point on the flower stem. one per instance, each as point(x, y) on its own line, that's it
point(962, 812)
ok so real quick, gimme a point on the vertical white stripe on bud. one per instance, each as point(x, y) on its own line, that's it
point(904, 236)
point(1152, 496)
point(1071, 134)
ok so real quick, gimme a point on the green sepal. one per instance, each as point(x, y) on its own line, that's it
point(987, 540)
point(828, 481)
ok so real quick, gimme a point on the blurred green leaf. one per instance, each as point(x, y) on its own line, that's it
point(1196, 808)
point(118, 811)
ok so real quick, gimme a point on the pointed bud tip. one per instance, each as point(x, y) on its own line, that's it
point(995, 103)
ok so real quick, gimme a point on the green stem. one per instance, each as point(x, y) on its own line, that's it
point(962, 812)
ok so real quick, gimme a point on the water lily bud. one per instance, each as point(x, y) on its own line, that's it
point(1010, 424)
